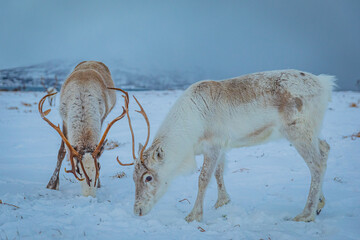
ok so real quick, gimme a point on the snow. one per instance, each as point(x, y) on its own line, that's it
point(268, 184)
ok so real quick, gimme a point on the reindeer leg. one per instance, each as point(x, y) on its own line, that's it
point(317, 167)
point(98, 183)
point(54, 180)
point(324, 151)
point(314, 152)
point(210, 160)
point(223, 197)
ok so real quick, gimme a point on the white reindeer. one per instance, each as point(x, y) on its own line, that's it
point(212, 117)
point(86, 99)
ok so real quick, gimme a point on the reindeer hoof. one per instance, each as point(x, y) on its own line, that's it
point(321, 204)
point(304, 218)
point(191, 217)
point(222, 202)
point(53, 186)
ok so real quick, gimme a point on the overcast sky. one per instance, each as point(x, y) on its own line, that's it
point(222, 38)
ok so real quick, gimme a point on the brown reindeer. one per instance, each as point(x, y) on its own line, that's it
point(87, 96)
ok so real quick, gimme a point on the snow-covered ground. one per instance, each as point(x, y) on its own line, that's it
point(268, 184)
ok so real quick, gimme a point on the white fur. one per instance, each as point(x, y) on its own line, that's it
point(211, 117)
point(88, 162)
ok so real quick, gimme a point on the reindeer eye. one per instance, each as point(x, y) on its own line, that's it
point(148, 179)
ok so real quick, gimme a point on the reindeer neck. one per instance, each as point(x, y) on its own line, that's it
point(180, 126)
point(178, 135)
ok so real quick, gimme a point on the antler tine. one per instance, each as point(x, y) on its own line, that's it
point(40, 106)
point(133, 139)
point(132, 135)
point(86, 176)
point(73, 169)
point(129, 120)
point(102, 140)
point(96, 163)
point(73, 152)
point(123, 164)
point(142, 112)
point(126, 97)
point(97, 150)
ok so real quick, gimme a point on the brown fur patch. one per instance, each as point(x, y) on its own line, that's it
point(292, 124)
point(243, 91)
point(80, 64)
point(232, 91)
point(102, 70)
point(298, 104)
point(206, 137)
point(284, 100)
point(259, 131)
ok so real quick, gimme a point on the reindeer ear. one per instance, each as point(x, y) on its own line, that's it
point(159, 153)
point(140, 147)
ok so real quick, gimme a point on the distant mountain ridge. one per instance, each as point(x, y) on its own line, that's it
point(34, 77)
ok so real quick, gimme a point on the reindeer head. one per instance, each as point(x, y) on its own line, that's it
point(150, 186)
point(90, 170)
point(87, 166)
point(84, 163)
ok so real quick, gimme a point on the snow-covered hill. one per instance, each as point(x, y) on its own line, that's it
point(29, 78)
point(268, 184)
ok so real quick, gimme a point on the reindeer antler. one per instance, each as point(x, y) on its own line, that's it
point(142, 112)
point(73, 153)
point(126, 97)
point(98, 148)
point(128, 116)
